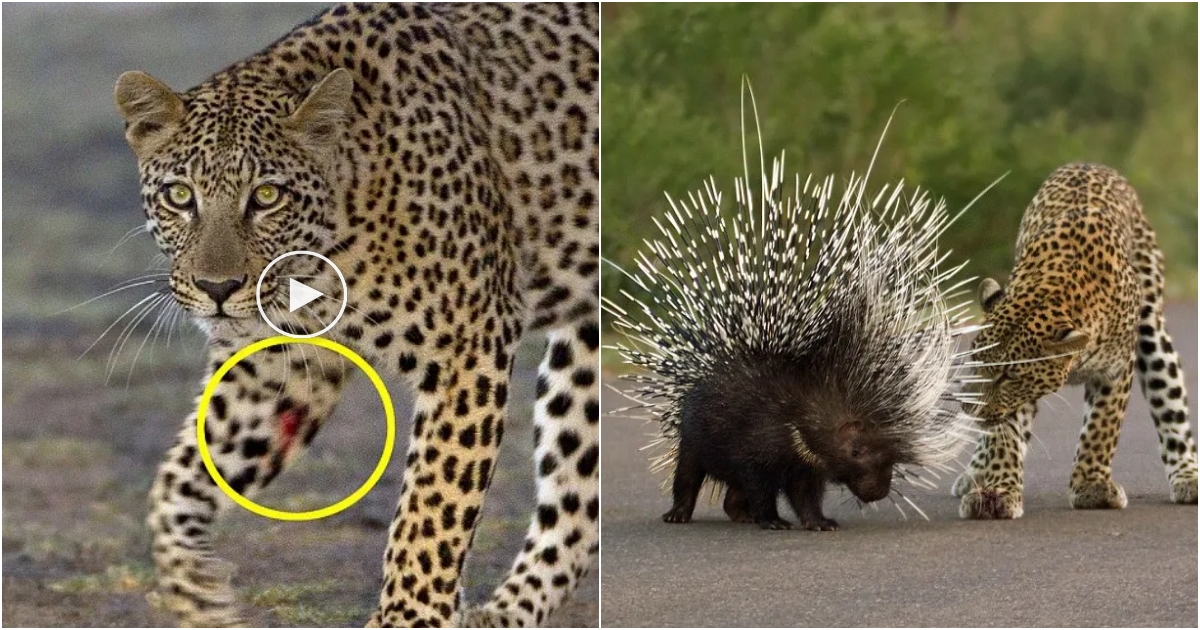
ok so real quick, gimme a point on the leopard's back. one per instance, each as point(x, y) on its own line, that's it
point(506, 98)
point(1085, 237)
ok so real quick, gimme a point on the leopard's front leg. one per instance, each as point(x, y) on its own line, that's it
point(564, 532)
point(993, 485)
point(458, 422)
point(262, 414)
point(991, 443)
point(1092, 485)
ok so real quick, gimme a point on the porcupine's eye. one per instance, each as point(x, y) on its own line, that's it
point(854, 453)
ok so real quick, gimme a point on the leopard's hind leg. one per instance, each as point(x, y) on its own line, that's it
point(1161, 376)
point(563, 537)
point(1160, 373)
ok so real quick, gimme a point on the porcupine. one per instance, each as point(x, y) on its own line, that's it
point(797, 343)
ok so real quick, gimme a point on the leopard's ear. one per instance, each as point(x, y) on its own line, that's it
point(1067, 342)
point(320, 118)
point(152, 111)
point(989, 293)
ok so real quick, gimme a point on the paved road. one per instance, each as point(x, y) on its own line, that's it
point(1055, 566)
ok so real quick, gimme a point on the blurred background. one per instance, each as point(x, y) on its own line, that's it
point(85, 425)
point(986, 90)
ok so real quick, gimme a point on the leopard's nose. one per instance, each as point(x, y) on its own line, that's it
point(219, 290)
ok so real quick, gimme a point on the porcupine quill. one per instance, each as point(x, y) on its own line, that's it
point(800, 340)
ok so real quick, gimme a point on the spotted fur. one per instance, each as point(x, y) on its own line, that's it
point(446, 159)
point(1084, 305)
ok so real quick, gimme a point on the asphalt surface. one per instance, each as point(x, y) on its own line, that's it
point(1053, 567)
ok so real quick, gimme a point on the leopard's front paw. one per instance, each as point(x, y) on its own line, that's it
point(489, 616)
point(991, 504)
point(1183, 491)
point(1098, 495)
point(199, 591)
point(965, 483)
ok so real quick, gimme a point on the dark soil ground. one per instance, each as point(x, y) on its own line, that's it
point(79, 456)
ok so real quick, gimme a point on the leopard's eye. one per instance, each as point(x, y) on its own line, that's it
point(179, 197)
point(266, 196)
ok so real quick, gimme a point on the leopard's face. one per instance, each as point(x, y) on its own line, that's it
point(232, 177)
point(1027, 350)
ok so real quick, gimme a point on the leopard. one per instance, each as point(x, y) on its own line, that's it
point(1083, 306)
point(446, 157)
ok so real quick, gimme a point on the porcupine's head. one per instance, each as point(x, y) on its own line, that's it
point(846, 447)
point(863, 461)
point(850, 289)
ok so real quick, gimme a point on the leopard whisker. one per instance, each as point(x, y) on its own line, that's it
point(1060, 398)
point(161, 306)
point(160, 261)
point(1045, 449)
point(287, 354)
point(124, 239)
point(118, 321)
point(124, 285)
point(126, 333)
point(307, 371)
point(176, 310)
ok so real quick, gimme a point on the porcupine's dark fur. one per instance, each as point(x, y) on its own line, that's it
point(740, 428)
point(797, 343)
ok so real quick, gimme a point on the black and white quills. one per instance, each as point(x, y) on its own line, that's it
point(797, 339)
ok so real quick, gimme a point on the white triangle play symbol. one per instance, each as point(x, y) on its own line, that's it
point(300, 294)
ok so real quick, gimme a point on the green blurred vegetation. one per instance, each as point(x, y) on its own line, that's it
point(986, 89)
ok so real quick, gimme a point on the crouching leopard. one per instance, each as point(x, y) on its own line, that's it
point(1084, 305)
point(446, 159)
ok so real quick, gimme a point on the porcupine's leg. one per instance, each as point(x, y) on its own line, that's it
point(689, 477)
point(1161, 376)
point(262, 414)
point(806, 493)
point(762, 497)
point(1092, 486)
point(735, 505)
point(993, 486)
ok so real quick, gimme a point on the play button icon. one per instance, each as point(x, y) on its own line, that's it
point(313, 286)
point(300, 294)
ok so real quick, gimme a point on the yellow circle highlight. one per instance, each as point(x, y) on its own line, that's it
point(283, 515)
